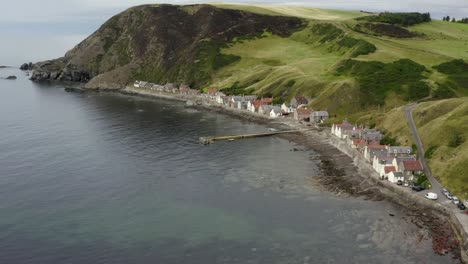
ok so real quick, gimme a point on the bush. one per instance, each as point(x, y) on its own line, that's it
point(443, 92)
point(417, 91)
point(430, 151)
point(388, 140)
point(404, 19)
point(456, 140)
point(422, 180)
point(376, 79)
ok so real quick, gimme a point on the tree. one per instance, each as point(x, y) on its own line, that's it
point(448, 19)
point(454, 20)
point(444, 18)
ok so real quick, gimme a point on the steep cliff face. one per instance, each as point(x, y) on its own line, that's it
point(160, 43)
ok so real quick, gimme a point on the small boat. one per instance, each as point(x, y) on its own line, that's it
point(272, 129)
point(231, 139)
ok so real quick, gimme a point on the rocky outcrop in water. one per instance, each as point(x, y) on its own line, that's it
point(26, 66)
point(11, 77)
point(160, 43)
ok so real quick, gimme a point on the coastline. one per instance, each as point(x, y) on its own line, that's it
point(345, 171)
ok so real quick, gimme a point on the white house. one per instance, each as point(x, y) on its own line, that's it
point(338, 129)
point(219, 97)
point(276, 112)
point(397, 162)
point(370, 151)
point(380, 162)
point(137, 84)
point(254, 105)
point(395, 176)
point(265, 109)
point(287, 108)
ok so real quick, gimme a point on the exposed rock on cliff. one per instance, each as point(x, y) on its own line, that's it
point(160, 43)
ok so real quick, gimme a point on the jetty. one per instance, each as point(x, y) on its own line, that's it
point(212, 139)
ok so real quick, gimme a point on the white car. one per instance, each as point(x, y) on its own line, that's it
point(455, 200)
point(431, 196)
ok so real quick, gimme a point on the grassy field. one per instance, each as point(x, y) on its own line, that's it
point(296, 11)
point(443, 127)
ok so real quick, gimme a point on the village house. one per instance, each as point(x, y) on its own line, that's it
point(302, 113)
point(211, 93)
point(358, 144)
point(254, 105)
point(193, 92)
point(142, 84)
point(297, 101)
point(372, 136)
point(319, 116)
point(265, 109)
point(338, 129)
point(170, 87)
point(242, 105)
point(287, 108)
point(387, 171)
point(370, 151)
point(220, 97)
point(267, 100)
point(400, 151)
point(397, 161)
point(350, 133)
point(395, 176)
point(184, 90)
point(380, 162)
point(411, 168)
point(136, 84)
point(276, 111)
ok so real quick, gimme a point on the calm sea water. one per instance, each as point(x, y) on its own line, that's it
point(105, 178)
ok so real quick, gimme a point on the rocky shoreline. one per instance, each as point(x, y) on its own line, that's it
point(343, 172)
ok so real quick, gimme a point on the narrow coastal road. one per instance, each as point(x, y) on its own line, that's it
point(436, 186)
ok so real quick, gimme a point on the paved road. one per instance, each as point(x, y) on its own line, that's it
point(436, 186)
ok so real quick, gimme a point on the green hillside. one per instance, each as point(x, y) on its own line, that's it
point(443, 127)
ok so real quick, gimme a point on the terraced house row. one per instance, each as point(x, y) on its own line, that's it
point(396, 164)
point(297, 107)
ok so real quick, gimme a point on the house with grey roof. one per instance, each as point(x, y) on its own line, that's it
point(276, 111)
point(399, 151)
point(396, 176)
point(319, 116)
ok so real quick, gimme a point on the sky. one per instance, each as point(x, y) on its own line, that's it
point(33, 30)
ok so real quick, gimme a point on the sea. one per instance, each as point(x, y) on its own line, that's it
point(109, 178)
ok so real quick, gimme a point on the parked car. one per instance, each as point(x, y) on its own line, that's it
point(455, 200)
point(418, 188)
point(444, 190)
point(461, 206)
point(431, 196)
point(399, 182)
point(449, 196)
point(406, 184)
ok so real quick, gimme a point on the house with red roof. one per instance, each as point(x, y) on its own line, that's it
point(302, 113)
point(297, 101)
point(254, 105)
point(358, 144)
point(411, 168)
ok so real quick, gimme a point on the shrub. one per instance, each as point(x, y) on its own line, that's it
point(404, 19)
point(456, 140)
point(430, 151)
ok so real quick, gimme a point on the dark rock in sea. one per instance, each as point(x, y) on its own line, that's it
point(27, 66)
point(3, 67)
point(12, 77)
point(74, 90)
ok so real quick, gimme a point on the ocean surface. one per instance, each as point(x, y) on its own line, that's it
point(107, 178)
